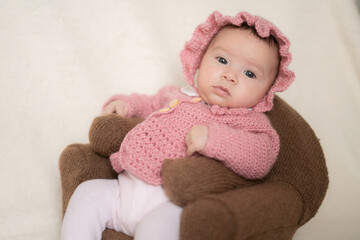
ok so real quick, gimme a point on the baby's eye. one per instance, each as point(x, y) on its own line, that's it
point(221, 60)
point(249, 74)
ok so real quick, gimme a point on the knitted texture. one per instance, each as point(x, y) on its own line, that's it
point(264, 211)
point(244, 141)
point(194, 50)
point(141, 105)
point(105, 135)
point(183, 183)
point(77, 163)
point(271, 209)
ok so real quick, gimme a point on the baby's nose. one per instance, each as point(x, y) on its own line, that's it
point(229, 76)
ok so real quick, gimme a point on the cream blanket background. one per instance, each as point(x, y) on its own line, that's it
point(60, 60)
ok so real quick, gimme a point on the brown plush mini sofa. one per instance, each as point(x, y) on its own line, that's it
point(217, 203)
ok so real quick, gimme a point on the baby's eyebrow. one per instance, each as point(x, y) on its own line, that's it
point(216, 48)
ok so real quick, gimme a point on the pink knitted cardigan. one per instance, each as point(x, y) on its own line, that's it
point(242, 139)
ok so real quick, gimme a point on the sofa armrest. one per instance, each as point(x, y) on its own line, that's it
point(270, 210)
point(107, 132)
point(187, 179)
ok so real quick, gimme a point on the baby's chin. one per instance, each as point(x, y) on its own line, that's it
point(242, 104)
point(224, 105)
point(220, 104)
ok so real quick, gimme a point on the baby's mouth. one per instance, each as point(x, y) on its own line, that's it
point(222, 91)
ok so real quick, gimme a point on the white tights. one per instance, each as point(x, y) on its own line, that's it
point(126, 205)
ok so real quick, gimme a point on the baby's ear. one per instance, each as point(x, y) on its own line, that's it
point(107, 133)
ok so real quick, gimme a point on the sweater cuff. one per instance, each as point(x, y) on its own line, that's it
point(114, 159)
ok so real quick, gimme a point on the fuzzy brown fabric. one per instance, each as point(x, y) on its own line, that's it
point(107, 133)
point(217, 203)
point(78, 163)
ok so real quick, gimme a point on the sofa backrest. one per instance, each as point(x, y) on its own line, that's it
point(301, 160)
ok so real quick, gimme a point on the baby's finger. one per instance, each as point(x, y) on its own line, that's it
point(190, 150)
point(109, 109)
point(188, 140)
point(119, 109)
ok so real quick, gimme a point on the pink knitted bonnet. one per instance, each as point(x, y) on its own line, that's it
point(194, 50)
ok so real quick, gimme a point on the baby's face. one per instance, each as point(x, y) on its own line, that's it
point(237, 69)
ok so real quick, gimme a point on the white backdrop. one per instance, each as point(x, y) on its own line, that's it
point(60, 60)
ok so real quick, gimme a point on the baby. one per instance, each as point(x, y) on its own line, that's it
point(240, 63)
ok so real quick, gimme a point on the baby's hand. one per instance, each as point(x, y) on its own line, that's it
point(117, 106)
point(196, 139)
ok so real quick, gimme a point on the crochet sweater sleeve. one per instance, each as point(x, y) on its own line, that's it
point(140, 105)
point(249, 154)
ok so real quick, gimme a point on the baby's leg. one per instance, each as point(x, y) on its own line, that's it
point(162, 223)
point(91, 209)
